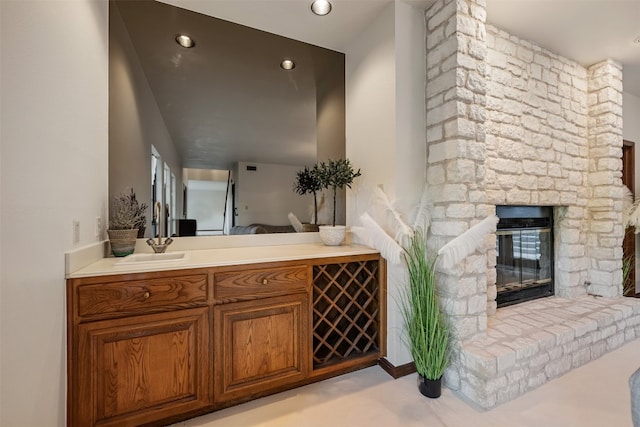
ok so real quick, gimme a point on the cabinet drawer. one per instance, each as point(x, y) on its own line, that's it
point(247, 283)
point(130, 297)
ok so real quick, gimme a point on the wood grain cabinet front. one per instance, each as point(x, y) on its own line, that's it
point(260, 282)
point(260, 345)
point(154, 348)
point(142, 369)
point(119, 298)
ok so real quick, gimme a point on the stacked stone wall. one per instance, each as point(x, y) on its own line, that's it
point(605, 179)
point(456, 114)
point(537, 147)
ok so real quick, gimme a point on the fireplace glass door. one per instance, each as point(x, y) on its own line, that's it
point(524, 260)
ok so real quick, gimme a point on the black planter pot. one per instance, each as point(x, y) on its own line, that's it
point(430, 388)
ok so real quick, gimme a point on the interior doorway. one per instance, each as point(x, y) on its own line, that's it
point(629, 243)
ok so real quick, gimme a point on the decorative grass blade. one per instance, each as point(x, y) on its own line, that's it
point(297, 225)
point(421, 217)
point(630, 215)
point(389, 248)
point(401, 231)
point(634, 216)
point(465, 244)
point(363, 234)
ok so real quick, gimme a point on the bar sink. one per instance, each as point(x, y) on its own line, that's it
point(139, 259)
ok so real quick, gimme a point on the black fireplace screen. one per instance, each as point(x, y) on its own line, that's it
point(524, 247)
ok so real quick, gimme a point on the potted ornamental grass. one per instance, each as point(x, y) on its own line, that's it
point(426, 326)
point(126, 217)
point(335, 175)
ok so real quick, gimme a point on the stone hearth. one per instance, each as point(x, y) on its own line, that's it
point(531, 343)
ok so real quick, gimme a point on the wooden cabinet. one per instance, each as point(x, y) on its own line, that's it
point(348, 323)
point(140, 369)
point(260, 345)
point(261, 330)
point(155, 348)
point(139, 348)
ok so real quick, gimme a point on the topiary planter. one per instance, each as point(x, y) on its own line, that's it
point(430, 388)
point(123, 242)
point(332, 235)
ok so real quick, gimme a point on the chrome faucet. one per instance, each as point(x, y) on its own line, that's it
point(159, 247)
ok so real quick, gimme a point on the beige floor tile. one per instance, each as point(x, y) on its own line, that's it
point(596, 394)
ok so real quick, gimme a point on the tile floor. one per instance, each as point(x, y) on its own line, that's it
point(596, 394)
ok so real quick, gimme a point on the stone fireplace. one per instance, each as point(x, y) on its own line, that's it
point(510, 123)
point(524, 254)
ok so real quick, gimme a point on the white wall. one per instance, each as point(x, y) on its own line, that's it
point(205, 203)
point(135, 123)
point(631, 128)
point(410, 148)
point(266, 196)
point(371, 103)
point(207, 179)
point(386, 128)
point(53, 169)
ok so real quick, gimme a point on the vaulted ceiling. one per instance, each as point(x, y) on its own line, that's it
point(586, 31)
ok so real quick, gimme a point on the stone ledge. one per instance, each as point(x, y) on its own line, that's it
point(531, 343)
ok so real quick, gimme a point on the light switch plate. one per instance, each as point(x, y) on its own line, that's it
point(76, 231)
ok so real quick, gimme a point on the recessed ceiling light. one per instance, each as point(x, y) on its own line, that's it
point(321, 7)
point(185, 41)
point(637, 40)
point(287, 64)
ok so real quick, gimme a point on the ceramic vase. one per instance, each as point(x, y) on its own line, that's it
point(332, 235)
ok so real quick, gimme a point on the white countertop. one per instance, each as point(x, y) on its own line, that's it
point(224, 256)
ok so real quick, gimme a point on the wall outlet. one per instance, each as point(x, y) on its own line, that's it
point(76, 231)
point(98, 229)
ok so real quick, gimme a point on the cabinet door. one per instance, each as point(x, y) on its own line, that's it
point(142, 369)
point(260, 345)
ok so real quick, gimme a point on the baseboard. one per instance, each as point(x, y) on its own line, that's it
point(397, 371)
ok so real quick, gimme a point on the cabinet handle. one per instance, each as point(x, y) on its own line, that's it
point(146, 295)
point(265, 281)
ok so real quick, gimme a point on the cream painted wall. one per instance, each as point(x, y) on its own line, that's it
point(631, 117)
point(266, 196)
point(410, 147)
point(371, 132)
point(135, 123)
point(371, 124)
point(631, 128)
point(386, 128)
point(330, 128)
point(53, 169)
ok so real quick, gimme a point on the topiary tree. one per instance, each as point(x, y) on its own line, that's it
point(308, 182)
point(336, 174)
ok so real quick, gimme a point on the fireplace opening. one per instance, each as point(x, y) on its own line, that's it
point(524, 253)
